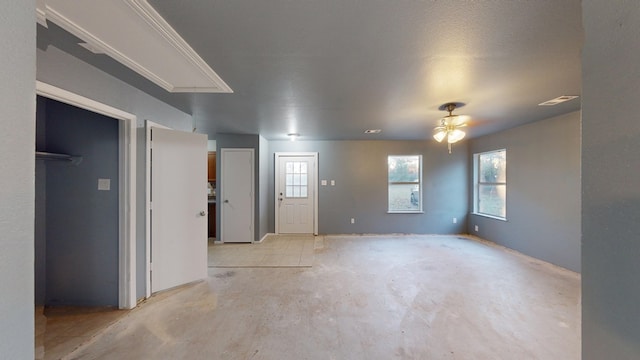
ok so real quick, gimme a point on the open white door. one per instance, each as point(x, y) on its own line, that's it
point(236, 187)
point(296, 195)
point(178, 208)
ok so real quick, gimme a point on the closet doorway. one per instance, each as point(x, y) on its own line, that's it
point(85, 202)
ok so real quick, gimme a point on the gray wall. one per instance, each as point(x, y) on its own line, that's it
point(543, 190)
point(81, 221)
point(611, 180)
point(17, 163)
point(263, 219)
point(359, 169)
point(40, 221)
point(240, 141)
point(60, 69)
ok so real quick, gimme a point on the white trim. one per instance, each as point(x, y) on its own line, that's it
point(127, 183)
point(264, 238)
point(315, 192)
point(155, 22)
point(220, 180)
point(147, 201)
point(159, 24)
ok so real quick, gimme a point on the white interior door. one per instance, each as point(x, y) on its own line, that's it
point(296, 193)
point(236, 197)
point(178, 208)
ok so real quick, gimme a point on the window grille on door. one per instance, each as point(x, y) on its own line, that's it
point(296, 179)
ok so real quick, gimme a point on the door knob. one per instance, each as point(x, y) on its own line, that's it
point(203, 213)
point(226, 201)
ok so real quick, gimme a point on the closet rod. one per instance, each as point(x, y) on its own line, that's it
point(42, 155)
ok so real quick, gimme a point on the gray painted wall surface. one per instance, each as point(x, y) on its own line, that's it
point(40, 221)
point(17, 163)
point(543, 190)
point(611, 181)
point(263, 218)
point(60, 69)
point(239, 141)
point(82, 221)
point(359, 169)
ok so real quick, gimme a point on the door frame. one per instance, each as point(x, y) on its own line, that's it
point(126, 183)
point(220, 185)
point(148, 124)
point(276, 167)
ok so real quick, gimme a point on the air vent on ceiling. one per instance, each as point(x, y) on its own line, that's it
point(372, 131)
point(558, 100)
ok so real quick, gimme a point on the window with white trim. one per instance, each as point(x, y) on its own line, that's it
point(405, 183)
point(490, 191)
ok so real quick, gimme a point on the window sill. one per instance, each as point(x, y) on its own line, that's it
point(490, 216)
point(404, 212)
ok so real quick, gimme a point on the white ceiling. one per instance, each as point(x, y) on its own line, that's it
point(330, 69)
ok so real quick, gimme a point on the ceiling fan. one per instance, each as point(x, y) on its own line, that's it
point(450, 125)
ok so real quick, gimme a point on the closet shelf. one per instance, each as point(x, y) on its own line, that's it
point(42, 155)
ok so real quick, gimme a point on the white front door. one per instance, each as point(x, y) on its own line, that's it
point(236, 195)
point(296, 193)
point(178, 208)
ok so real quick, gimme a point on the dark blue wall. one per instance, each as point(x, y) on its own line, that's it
point(81, 221)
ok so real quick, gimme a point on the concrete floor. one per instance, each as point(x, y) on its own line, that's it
point(366, 297)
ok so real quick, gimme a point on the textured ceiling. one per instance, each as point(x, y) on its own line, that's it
point(329, 69)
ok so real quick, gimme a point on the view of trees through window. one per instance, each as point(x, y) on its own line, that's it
point(491, 184)
point(404, 183)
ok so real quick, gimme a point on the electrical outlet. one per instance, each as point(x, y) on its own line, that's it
point(455, 220)
point(353, 221)
point(476, 228)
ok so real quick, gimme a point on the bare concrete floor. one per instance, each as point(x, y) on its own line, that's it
point(366, 297)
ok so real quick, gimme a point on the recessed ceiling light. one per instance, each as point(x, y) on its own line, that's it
point(372, 131)
point(558, 100)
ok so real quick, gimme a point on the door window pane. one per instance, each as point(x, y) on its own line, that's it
point(296, 176)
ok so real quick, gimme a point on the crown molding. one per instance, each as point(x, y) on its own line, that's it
point(41, 15)
point(159, 24)
point(155, 22)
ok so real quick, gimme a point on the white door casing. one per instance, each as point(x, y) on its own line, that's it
point(296, 195)
point(126, 184)
point(236, 198)
point(178, 208)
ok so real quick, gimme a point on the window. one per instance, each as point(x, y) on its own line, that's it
point(405, 178)
point(490, 195)
point(296, 173)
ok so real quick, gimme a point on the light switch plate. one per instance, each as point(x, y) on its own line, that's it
point(323, 182)
point(333, 183)
point(104, 184)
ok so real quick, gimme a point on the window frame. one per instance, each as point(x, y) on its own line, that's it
point(418, 183)
point(477, 183)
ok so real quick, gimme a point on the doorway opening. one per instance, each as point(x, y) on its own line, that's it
point(125, 182)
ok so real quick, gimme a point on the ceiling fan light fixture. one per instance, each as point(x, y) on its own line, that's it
point(455, 135)
point(450, 126)
point(439, 134)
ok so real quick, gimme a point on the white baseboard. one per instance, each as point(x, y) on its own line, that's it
point(263, 238)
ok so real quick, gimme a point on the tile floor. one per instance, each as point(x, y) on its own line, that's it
point(366, 297)
point(274, 251)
